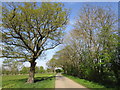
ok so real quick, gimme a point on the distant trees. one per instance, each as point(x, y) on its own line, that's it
point(58, 70)
point(38, 69)
point(6, 71)
point(25, 70)
point(11, 66)
point(91, 49)
point(48, 70)
point(30, 29)
point(52, 64)
point(41, 70)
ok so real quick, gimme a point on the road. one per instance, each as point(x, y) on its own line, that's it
point(64, 82)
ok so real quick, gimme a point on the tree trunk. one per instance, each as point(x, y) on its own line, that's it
point(31, 72)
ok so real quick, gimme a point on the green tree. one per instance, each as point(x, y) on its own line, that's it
point(12, 66)
point(52, 64)
point(41, 70)
point(36, 69)
point(30, 29)
point(48, 70)
point(91, 48)
point(96, 31)
point(25, 70)
point(58, 70)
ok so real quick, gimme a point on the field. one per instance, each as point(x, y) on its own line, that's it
point(19, 81)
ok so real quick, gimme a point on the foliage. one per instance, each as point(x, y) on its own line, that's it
point(58, 70)
point(30, 29)
point(41, 69)
point(25, 70)
point(11, 66)
point(52, 64)
point(91, 49)
point(48, 70)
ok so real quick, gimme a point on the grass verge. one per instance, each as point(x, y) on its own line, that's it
point(84, 82)
point(19, 81)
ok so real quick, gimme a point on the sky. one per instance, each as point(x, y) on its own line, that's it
point(75, 8)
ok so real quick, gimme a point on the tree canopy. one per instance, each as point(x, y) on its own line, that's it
point(29, 29)
point(91, 48)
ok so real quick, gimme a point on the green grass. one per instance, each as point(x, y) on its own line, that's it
point(19, 81)
point(84, 82)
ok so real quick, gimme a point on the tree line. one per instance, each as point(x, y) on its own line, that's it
point(24, 70)
point(91, 50)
